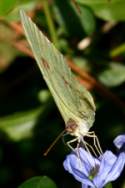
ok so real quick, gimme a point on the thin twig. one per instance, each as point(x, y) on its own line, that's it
point(16, 27)
point(98, 86)
point(85, 77)
point(50, 23)
point(102, 90)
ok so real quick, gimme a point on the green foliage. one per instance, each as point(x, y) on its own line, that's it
point(9, 10)
point(38, 182)
point(6, 6)
point(113, 75)
point(107, 10)
point(19, 125)
point(87, 19)
point(7, 52)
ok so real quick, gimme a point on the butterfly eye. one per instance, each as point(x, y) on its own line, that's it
point(71, 126)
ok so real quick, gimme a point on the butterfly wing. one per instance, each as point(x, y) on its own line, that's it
point(67, 92)
point(86, 105)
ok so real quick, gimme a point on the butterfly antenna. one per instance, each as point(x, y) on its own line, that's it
point(53, 143)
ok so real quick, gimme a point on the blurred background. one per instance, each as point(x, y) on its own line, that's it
point(91, 35)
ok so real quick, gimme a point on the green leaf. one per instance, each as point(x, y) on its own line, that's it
point(66, 10)
point(38, 182)
point(7, 55)
point(83, 19)
point(108, 10)
point(19, 125)
point(96, 2)
point(118, 50)
point(26, 5)
point(87, 19)
point(82, 63)
point(7, 52)
point(6, 6)
point(114, 75)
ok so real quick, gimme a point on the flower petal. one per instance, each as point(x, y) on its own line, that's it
point(79, 165)
point(74, 170)
point(116, 168)
point(107, 161)
point(72, 162)
point(84, 186)
point(88, 159)
point(119, 141)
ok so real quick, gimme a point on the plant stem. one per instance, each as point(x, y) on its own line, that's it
point(118, 50)
point(50, 23)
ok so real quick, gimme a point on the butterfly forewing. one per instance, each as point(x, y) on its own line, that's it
point(72, 101)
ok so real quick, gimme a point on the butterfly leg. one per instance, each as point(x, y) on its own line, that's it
point(96, 141)
point(72, 141)
point(88, 147)
point(77, 147)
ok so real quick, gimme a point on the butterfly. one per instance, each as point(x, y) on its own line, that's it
point(74, 102)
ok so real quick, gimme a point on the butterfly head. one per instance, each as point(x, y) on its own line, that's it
point(77, 129)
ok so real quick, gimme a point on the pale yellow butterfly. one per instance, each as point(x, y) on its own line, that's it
point(75, 103)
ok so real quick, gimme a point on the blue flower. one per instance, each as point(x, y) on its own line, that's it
point(119, 142)
point(96, 172)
